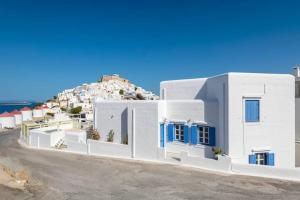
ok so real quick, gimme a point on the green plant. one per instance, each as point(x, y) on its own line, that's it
point(63, 109)
point(135, 88)
point(110, 137)
point(76, 110)
point(125, 141)
point(121, 92)
point(217, 150)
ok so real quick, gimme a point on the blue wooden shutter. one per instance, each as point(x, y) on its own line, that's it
point(162, 135)
point(270, 159)
point(194, 134)
point(252, 111)
point(252, 159)
point(186, 133)
point(212, 136)
point(170, 132)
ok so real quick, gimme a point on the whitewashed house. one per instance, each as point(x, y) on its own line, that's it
point(251, 117)
point(26, 114)
point(7, 120)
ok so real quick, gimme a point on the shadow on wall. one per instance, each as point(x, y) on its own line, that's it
point(202, 92)
point(124, 125)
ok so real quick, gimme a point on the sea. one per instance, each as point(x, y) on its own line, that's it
point(8, 107)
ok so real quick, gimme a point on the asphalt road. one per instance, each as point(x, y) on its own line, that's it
point(55, 175)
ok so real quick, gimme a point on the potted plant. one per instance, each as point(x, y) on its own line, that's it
point(217, 151)
point(110, 137)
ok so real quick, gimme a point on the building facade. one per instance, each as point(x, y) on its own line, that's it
point(249, 117)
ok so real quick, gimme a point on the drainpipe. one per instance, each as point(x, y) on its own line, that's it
point(133, 133)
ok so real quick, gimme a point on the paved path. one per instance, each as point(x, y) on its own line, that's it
point(56, 175)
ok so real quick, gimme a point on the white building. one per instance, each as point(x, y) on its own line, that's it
point(26, 114)
point(18, 117)
point(297, 103)
point(7, 120)
point(38, 112)
point(251, 117)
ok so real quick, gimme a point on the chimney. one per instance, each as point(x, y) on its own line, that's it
point(296, 70)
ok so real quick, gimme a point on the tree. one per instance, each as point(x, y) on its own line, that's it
point(121, 92)
point(76, 110)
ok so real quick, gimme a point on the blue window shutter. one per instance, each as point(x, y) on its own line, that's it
point(194, 134)
point(186, 133)
point(270, 159)
point(252, 111)
point(212, 136)
point(170, 132)
point(162, 135)
point(252, 159)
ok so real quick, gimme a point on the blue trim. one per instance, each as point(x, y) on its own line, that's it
point(186, 134)
point(270, 159)
point(170, 132)
point(252, 110)
point(194, 134)
point(162, 135)
point(252, 159)
point(212, 136)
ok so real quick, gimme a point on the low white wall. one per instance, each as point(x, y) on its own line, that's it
point(192, 150)
point(39, 140)
point(222, 164)
point(297, 160)
point(77, 147)
point(75, 136)
point(267, 171)
point(108, 149)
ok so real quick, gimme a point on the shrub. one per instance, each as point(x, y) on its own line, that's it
point(76, 110)
point(110, 137)
point(217, 150)
point(95, 135)
point(135, 88)
point(121, 92)
point(63, 109)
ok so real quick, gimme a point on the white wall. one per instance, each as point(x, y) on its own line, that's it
point(27, 115)
point(267, 171)
point(38, 113)
point(276, 129)
point(75, 135)
point(77, 147)
point(297, 104)
point(185, 110)
point(186, 89)
point(18, 119)
point(108, 149)
point(7, 122)
point(117, 116)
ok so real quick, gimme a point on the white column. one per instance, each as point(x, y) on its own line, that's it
point(133, 133)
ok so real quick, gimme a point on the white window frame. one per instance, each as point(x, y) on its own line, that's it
point(179, 132)
point(201, 134)
point(261, 157)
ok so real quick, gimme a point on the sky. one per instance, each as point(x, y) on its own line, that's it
point(49, 46)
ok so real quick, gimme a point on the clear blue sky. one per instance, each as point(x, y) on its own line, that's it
point(48, 46)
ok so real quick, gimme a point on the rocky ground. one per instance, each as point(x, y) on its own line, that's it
point(55, 175)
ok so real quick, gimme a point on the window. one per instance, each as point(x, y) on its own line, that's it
point(203, 135)
point(252, 110)
point(264, 158)
point(179, 132)
point(261, 158)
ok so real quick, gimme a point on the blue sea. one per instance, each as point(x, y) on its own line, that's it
point(9, 108)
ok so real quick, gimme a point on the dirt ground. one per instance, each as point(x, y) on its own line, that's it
point(55, 175)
